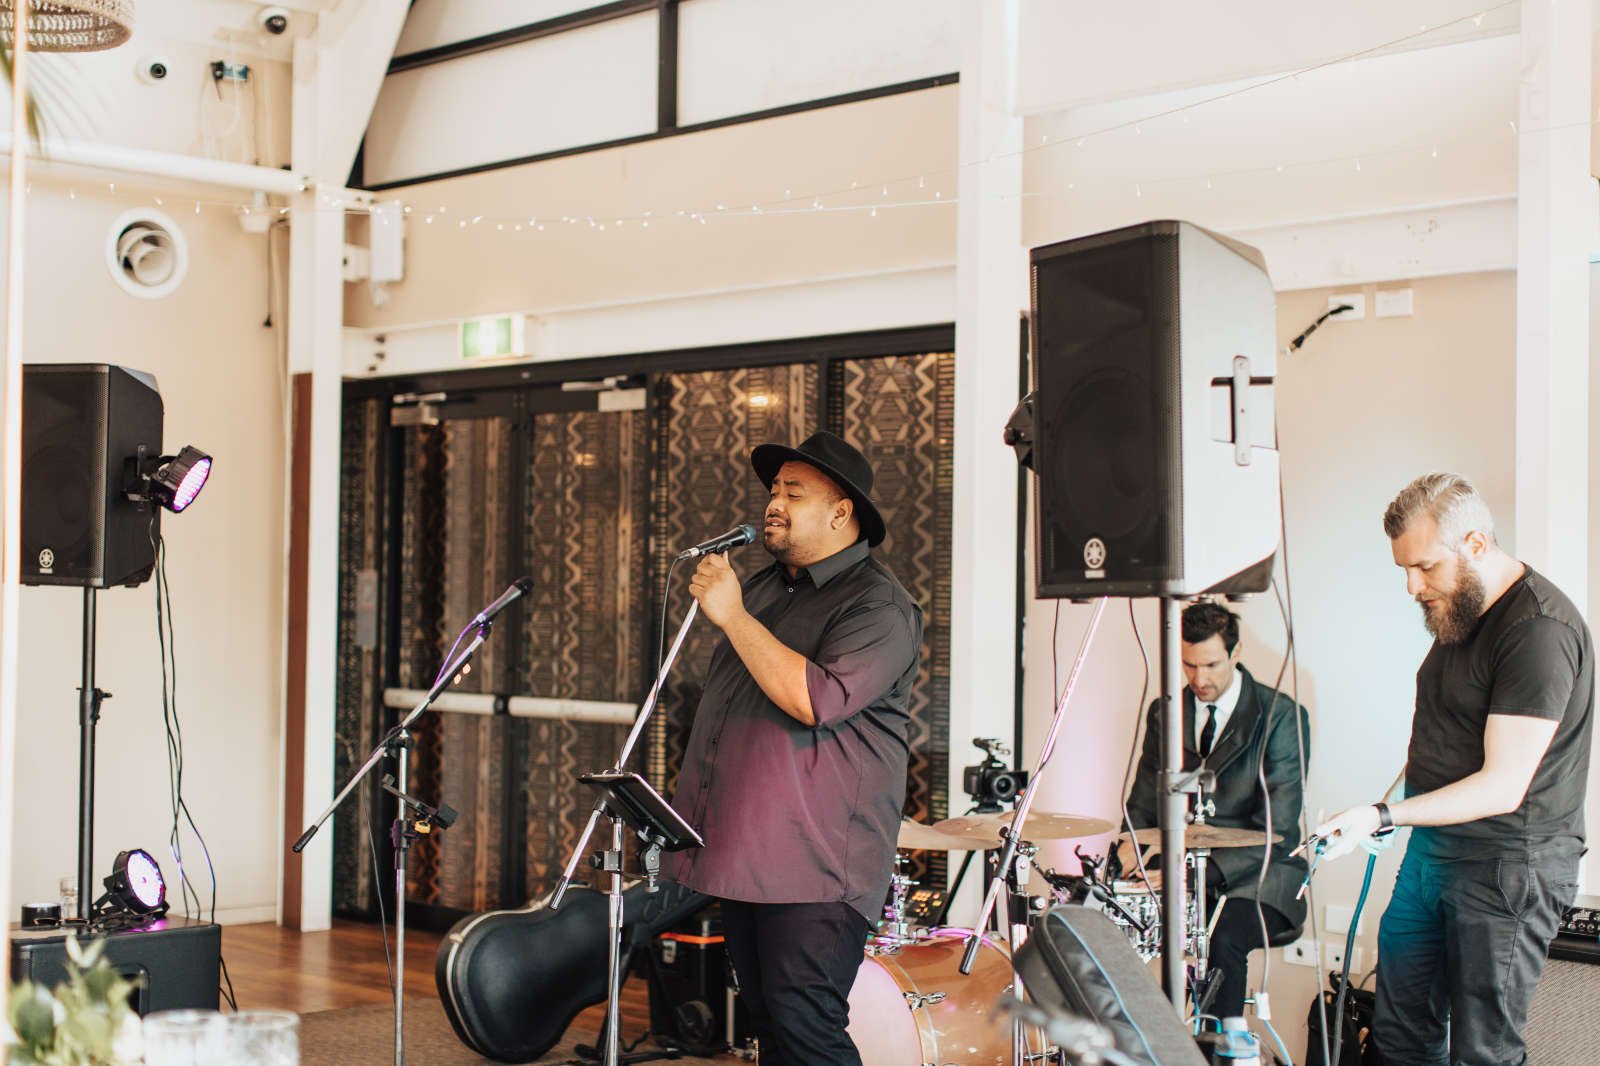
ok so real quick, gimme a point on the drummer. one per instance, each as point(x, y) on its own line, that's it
point(1228, 735)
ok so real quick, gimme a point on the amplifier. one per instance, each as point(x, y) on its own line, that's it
point(180, 960)
point(693, 1003)
point(1578, 936)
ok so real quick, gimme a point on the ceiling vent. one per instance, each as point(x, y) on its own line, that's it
point(146, 253)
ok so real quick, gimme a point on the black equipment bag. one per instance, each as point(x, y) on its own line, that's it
point(512, 981)
point(1079, 961)
point(1356, 1047)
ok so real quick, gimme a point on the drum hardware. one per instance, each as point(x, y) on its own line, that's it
point(917, 1001)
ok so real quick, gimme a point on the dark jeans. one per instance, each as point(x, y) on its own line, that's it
point(1460, 950)
point(795, 963)
point(1237, 934)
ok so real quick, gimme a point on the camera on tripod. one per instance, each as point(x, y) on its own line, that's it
point(992, 783)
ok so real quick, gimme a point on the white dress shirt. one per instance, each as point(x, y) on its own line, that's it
point(1225, 704)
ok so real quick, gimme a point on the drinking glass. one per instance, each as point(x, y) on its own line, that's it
point(184, 1038)
point(263, 1038)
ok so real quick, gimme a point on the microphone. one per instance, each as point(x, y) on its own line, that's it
point(737, 537)
point(518, 588)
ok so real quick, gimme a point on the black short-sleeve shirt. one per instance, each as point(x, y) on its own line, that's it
point(1531, 654)
point(806, 814)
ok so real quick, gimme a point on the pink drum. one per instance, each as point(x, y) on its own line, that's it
point(914, 1006)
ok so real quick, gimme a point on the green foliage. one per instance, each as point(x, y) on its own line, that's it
point(35, 118)
point(83, 1021)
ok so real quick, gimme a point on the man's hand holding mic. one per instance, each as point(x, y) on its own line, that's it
point(716, 587)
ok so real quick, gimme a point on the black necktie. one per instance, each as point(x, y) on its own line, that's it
point(1208, 735)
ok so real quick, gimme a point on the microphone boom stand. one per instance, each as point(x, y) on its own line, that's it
point(1013, 833)
point(612, 863)
point(399, 741)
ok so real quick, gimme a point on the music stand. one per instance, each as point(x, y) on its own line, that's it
point(629, 800)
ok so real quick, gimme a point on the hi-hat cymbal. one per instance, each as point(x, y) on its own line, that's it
point(1041, 825)
point(919, 837)
point(1209, 836)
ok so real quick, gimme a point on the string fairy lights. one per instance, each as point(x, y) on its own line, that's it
point(917, 191)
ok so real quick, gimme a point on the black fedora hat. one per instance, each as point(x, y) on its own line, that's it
point(847, 467)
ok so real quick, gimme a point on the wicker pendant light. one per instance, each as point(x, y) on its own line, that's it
point(71, 25)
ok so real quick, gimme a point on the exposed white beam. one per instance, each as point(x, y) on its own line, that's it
point(122, 160)
point(348, 58)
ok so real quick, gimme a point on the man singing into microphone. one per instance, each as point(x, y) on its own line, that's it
point(796, 766)
point(1494, 784)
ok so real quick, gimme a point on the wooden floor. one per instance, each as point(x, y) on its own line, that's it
point(273, 967)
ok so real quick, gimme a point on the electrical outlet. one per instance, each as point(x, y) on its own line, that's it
point(1333, 958)
point(1301, 953)
point(1357, 302)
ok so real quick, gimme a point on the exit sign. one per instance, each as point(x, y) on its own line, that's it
point(488, 338)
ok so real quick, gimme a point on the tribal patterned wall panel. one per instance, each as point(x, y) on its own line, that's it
point(363, 529)
point(899, 410)
point(707, 422)
point(457, 552)
point(587, 620)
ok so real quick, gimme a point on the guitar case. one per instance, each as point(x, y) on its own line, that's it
point(512, 981)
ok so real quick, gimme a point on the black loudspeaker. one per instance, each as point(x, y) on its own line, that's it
point(179, 959)
point(1154, 440)
point(81, 423)
point(1080, 962)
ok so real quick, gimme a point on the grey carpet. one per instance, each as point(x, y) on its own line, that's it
point(355, 1036)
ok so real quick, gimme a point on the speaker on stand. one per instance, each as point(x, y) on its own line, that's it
point(85, 428)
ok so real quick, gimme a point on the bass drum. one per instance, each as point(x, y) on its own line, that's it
point(914, 1007)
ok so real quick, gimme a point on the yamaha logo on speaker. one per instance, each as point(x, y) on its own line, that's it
point(1094, 554)
point(47, 560)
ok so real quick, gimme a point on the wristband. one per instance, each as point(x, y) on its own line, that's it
point(1385, 820)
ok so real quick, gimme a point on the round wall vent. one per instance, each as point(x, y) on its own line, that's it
point(146, 253)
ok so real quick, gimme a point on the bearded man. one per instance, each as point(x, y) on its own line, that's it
point(1495, 781)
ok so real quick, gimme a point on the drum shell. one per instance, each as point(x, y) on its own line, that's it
point(912, 1005)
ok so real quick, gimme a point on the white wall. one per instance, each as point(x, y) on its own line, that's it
point(219, 373)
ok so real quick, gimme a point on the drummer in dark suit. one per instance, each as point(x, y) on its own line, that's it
point(1228, 734)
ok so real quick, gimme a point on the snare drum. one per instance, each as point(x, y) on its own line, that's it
point(1137, 899)
point(914, 1006)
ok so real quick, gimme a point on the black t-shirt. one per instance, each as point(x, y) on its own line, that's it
point(1531, 654)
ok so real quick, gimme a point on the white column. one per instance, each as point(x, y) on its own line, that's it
point(316, 320)
point(992, 292)
point(1556, 203)
point(1555, 213)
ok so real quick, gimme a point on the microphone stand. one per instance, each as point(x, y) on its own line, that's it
point(611, 861)
point(397, 742)
point(1012, 834)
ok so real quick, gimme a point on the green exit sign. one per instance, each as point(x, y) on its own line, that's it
point(489, 338)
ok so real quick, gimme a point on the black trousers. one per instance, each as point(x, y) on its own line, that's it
point(1237, 934)
point(1460, 950)
point(796, 963)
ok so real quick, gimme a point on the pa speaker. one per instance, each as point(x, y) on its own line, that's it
point(1154, 439)
point(81, 423)
point(179, 959)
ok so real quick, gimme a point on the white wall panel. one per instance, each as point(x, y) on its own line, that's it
point(583, 87)
point(432, 23)
point(735, 56)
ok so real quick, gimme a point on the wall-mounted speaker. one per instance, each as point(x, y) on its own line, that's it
point(81, 423)
point(1154, 437)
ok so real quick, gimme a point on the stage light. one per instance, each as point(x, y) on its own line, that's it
point(172, 481)
point(135, 884)
point(180, 478)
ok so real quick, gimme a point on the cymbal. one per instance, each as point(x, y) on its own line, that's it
point(1041, 825)
point(919, 837)
point(1209, 836)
